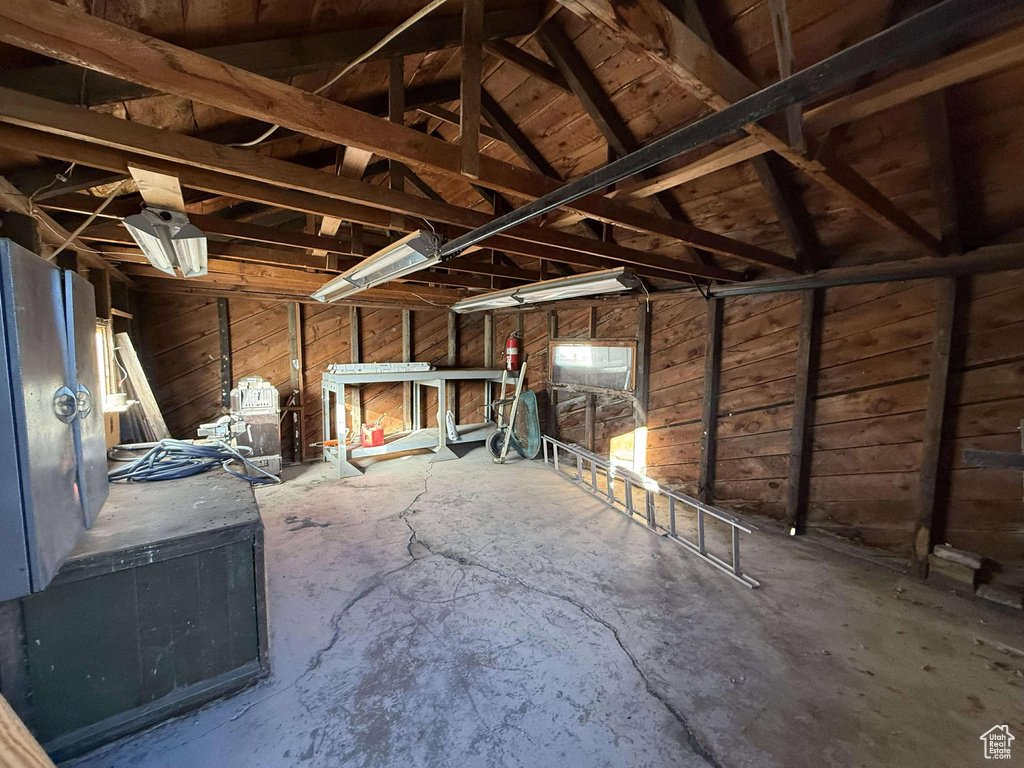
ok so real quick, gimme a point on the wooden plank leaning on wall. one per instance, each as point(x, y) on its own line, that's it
point(17, 747)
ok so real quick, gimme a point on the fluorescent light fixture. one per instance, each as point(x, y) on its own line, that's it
point(169, 241)
point(410, 254)
point(571, 287)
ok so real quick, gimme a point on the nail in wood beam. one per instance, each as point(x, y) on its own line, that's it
point(552, 392)
point(803, 411)
point(224, 331)
point(472, 64)
point(709, 415)
point(407, 358)
point(296, 370)
point(355, 356)
point(927, 532)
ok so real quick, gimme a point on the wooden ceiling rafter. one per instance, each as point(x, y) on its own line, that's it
point(202, 165)
point(602, 112)
point(252, 233)
point(47, 28)
point(709, 77)
point(277, 58)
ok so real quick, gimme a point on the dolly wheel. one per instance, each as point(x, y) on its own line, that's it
point(495, 442)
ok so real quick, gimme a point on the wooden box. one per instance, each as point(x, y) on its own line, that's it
point(159, 609)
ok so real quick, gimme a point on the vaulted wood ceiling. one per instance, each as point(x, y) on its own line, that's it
point(564, 88)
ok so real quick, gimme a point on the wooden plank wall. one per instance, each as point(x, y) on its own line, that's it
point(181, 349)
point(866, 421)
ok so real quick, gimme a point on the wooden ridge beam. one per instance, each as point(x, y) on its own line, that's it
point(60, 32)
point(274, 182)
point(280, 58)
point(697, 67)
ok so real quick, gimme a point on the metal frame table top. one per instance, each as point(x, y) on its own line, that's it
point(335, 384)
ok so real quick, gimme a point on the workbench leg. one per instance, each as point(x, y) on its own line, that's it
point(442, 452)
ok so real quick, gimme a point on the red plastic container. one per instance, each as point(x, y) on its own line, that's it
point(371, 435)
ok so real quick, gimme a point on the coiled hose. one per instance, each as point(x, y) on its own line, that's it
point(173, 459)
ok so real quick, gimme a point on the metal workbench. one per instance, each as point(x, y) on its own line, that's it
point(334, 385)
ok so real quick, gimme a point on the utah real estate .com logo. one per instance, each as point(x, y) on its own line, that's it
point(997, 742)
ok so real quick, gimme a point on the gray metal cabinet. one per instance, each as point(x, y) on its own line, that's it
point(47, 494)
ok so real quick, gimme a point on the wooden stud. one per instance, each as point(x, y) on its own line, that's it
point(355, 356)
point(643, 362)
point(452, 361)
point(936, 114)
point(407, 358)
point(928, 531)
point(590, 416)
point(709, 414)
point(224, 333)
point(803, 411)
point(296, 375)
point(472, 63)
point(552, 392)
point(784, 53)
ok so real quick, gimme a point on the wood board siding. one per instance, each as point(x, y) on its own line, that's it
point(866, 425)
point(181, 351)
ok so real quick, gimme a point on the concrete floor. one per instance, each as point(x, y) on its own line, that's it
point(470, 615)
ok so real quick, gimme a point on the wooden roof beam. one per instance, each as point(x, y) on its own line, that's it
point(71, 35)
point(528, 63)
point(602, 112)
point(239, 173)
point(281, 58)
point(51, 233)
point(709, 77)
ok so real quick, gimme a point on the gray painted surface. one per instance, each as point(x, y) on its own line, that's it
point(470, 615)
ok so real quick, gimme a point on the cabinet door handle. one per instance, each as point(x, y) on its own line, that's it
point(65, 405)
point(84, 401)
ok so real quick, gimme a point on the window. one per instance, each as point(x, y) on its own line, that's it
point(593, 364)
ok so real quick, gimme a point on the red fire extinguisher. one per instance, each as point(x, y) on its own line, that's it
point(512, 352)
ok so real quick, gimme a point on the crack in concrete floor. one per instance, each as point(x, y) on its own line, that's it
point(692, 738)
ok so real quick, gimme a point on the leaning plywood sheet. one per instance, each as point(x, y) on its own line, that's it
point(153, 420)
point(17, 747)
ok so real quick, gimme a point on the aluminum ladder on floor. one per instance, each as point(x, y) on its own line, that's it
point(583, 458)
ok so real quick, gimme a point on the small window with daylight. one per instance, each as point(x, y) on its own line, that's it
point(601, 365)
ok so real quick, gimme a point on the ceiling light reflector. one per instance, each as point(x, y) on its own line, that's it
point(412, 253)
point(169, 241)
point(571, 287)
